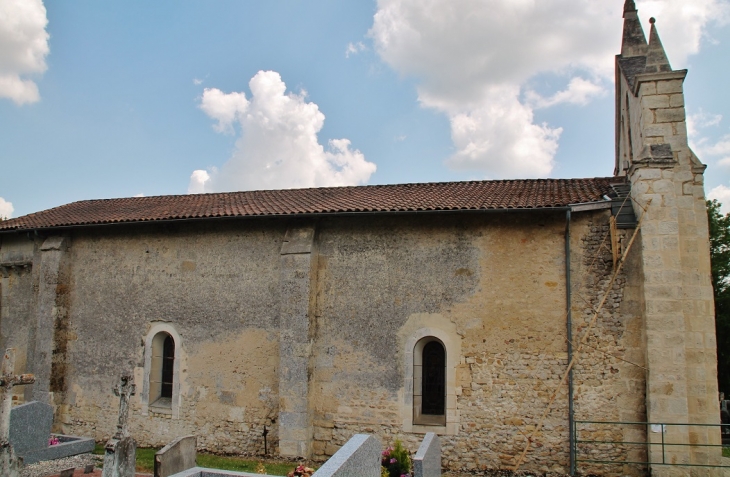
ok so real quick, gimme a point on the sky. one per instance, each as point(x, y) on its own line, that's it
point(118, 99)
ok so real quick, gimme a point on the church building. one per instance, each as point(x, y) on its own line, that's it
point(501, 314)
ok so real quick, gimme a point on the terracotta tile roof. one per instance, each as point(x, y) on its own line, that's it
point(442, 196)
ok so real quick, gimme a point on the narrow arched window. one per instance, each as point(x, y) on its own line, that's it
point(168, 365)
point(162, 368)
point(429, 382)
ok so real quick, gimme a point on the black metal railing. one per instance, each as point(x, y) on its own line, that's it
point(583, 446)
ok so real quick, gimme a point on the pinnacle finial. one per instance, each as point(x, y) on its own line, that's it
point(656, 57)
point(629, 7)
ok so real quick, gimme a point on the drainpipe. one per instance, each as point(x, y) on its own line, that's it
point(569, 324)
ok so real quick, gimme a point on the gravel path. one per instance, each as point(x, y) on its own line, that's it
point(52, 467)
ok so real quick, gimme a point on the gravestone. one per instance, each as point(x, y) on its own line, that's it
point(8, 380)
point(121, 449)
point(175, 457)
point(30, 427)
point(427, 462)
point(30, 430)
point(359, 457)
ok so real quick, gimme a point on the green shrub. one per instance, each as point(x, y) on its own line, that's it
point(396, 460)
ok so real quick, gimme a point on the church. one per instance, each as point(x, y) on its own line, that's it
point(515, 318)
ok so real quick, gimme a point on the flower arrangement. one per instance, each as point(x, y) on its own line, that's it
point(53, 441)
point(395, 461)
point(301, 471)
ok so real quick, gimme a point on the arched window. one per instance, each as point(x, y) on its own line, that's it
point(162, 370)
point(429, 382)
point(162, 356)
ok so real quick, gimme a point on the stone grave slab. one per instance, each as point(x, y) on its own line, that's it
point(427, 462)
point(30, 431)
point(30, 427)
point(359, 457)
point(177, 456)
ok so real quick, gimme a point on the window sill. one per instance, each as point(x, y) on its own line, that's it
point(161, 406)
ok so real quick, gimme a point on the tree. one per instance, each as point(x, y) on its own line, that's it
point(720, 259)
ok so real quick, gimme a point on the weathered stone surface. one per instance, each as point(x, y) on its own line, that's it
point(427, 461)
point(30, 427)
point(120, 458)
point(175, 457)
point(359, 457)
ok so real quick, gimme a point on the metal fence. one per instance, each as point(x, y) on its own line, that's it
point(624, 451)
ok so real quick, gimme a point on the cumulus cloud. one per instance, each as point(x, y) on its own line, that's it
point(580, 92)
point(23, 48)
point(354, 48)
point(6, 209)
point(705, 146)
point(277, 145)
point(466, 55)
point(721, 194)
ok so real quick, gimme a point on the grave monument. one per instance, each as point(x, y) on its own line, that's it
point(8, 380)
point(121, 449)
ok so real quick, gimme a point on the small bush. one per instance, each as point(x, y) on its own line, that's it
point(396, 461)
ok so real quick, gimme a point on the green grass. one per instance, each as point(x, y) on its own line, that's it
point(146, 462)
point(243, 465)
point(726, 451)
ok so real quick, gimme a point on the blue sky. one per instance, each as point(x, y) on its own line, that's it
point(171, 97)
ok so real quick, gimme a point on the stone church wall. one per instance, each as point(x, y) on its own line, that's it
point(495, 283)
point(17, 296)
point(500, 280)
point(216, 285)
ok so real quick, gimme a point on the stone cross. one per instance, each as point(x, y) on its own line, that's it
point(124, 390)
point(8, 380)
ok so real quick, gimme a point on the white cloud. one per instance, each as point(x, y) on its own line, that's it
point(580, 91)
point(225, 108)
point(682, 24)
point(23, 48)
point(197, 82)
point(701, 120)
point(354, 48)
point(721, 194)
point(197, 181)
point(462, 52)
point(6, 209)
point(278, 145)
point(502, 134)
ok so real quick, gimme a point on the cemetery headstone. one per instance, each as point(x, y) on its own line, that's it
point(359, 457)
point(8, 380)
point(175, 457)
point(30, 426)
point(121, 449)
point(427, 462)
point(30, 432)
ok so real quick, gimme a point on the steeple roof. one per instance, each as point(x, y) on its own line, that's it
point(634, 41)
point(637, 56)
point(656, 57)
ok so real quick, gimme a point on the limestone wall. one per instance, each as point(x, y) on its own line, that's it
point(215, 285)
point(499, 281)
point(493, 285)
point(17, 300)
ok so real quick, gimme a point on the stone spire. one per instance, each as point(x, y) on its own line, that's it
point(656, 57)
point(634, 40)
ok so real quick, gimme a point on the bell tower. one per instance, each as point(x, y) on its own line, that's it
point(666, 178)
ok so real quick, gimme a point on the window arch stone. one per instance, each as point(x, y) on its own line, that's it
point(417, 333)
point(160, 395)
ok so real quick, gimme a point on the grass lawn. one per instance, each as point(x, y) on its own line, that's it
point(146, 462)
point(726, 451)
